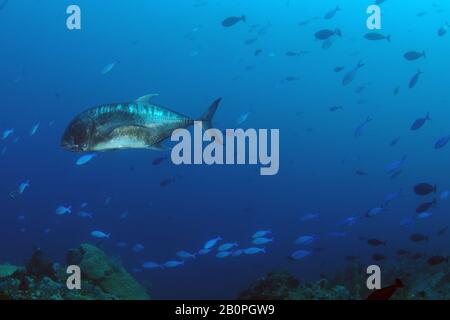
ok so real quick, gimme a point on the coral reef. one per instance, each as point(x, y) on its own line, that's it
point(421, 281)
point(40, 279)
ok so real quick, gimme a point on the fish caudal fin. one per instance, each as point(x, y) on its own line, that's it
point(244, 18)
point(207, 117)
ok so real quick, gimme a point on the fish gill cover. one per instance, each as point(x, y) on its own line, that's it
point(363, 174)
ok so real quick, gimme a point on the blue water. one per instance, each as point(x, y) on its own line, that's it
point(181, 51)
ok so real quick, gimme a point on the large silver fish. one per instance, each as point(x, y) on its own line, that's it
point(138, 124)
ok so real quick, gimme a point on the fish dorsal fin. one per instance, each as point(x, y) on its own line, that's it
point(147, 98)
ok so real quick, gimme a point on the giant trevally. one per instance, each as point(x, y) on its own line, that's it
point(348, 78)
point(137, 124)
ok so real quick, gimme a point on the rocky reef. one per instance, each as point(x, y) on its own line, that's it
point(421, 282)
point(101, 278)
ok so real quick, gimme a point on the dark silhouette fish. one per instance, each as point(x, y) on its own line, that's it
point(417, 124)
point(324, 34)
point(378, 257)
point(423, 189)
point(395, 141)
point(330, 14)
point(374, 36)
point(425, 206)
point(158, 161)
point(442, 142)
point(396, 91)
point(138, 124)
point(436, 260)
point(442, 31)
point(418, 237)
point(350, 76)
point(414, 55)
point(166, 182)
point(386, 293)
point(231, 21)
point(415, 79)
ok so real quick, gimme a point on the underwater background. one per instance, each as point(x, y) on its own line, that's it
point(272, 72)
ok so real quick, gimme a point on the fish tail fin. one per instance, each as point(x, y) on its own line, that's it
point(428, 116)
point(360, 64)
point(338, 8)
point(399, 283)
point(338, 32)
point(108, 235)
point(388, 38)
point(424, 54)
point(244, 18)
point(207, 117)
point(69, 209)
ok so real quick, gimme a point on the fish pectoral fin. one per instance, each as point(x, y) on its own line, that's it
point(147, 98)
point(159, 147)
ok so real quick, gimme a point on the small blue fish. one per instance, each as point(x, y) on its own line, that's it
point(85, 159)
point(203, 252)
point(227, 246)
point(23, 186)
point(309, 216)
point(420, 122)
point(300, 254)
point(63, 210)
point(395, 166)
point(223, 254)
point(185, 255)
point(415, 79)
point(212, 243)
point(261, 241)
point(242, 118)
point(108, 68)
point(34, 129)
point(7, 133)
point(100, 234)
point(424, 215)
point(261, 233)
point(360, 129)
point(84, 214)
point(173, 264)
point(152, 265)
point(349, 221)
point(138, 248)
point(442, 142)
point(237, 253)
point(374, 211)
point(252, 251)
point(306, 239)
point(350, 76)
